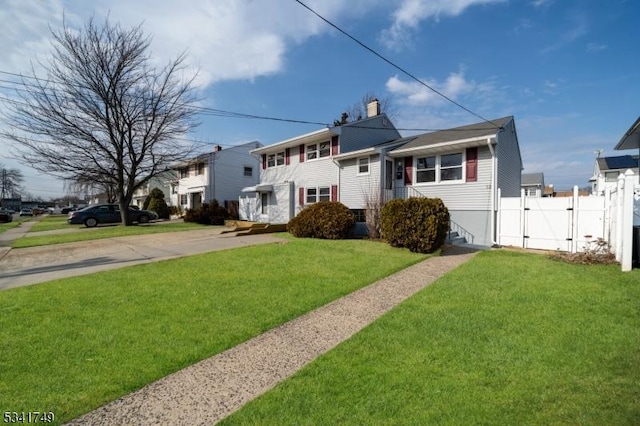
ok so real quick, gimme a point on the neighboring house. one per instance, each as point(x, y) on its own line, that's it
point(533, 184)
point(164, 181)
point(607, 169)
point(309, 168)
point(218, 175)
point(366, 162)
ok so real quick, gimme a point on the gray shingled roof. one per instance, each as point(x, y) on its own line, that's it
point(530, 179)
point(470, 131)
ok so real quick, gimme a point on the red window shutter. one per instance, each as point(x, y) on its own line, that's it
point(334, 145)
point(287, 154)
point(264, 161)
point(334, 192)
point(472, 164)
point(301, 196)
point(408, 170)
point(302, 153)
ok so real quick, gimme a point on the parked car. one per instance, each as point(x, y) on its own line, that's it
point(66, 210)
point(5, 216)
point(26, 212)
point(107, 213)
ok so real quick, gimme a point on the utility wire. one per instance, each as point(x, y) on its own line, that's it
point(394, 65)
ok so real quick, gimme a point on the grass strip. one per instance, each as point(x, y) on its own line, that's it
point(70, 346)
point(80, 233)
point(507, 338)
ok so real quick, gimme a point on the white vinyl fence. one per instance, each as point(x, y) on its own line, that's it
point(574, 223)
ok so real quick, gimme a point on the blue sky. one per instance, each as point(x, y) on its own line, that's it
point(565, 69)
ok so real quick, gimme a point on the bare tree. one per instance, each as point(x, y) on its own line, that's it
point(358, 110)
point(103, 115)
point(10, 182)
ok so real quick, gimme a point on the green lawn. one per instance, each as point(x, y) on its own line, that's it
point(506, 339)
point(81, 233)
point(72, 345)
point(13, 224)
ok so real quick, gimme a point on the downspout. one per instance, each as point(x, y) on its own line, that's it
point(493, 192)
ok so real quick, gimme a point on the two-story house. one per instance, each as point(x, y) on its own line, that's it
point(367, 162)
point(533, 184)
point(220, 175)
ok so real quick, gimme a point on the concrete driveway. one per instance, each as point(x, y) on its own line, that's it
point(26, 266)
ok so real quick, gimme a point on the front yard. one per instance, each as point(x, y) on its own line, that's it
point(507, 338)
point(71, 345)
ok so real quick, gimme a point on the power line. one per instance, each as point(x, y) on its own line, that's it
point(394, 65)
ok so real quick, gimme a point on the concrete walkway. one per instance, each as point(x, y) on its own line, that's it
point(212, 389)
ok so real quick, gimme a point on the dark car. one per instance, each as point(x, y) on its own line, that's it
point(67, 210)
point(5, 216)
point(107, 213)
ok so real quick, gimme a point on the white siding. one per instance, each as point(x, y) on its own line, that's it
point(509, 162)
point(228, 172)
point(470, 196)
point(310, 173)
point(355, 188)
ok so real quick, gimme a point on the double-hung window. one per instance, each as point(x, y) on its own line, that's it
point(451, 167)
point(200, 169)
point(184, 172)
point(439, 168)
point(426, 169)
point(363, 166)
point(318, 150)
point(276, 159)
point(315, 195)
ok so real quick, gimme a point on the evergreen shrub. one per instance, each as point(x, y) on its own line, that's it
point(207, 214)
point(330, 220)
point(419, 224)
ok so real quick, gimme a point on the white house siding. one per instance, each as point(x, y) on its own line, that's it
point(356, 188)
point(470, 196)
point(509, 163)
point(310, 173)
point(228, 172)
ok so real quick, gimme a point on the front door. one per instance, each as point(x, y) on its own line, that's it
point(196, 200)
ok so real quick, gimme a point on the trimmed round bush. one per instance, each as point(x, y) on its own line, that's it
point(330, 220)
point(419, 224)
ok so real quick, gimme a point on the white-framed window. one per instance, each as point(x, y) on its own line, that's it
point(314, 195)
point(183, 199)
point(363, 166)
point(248, 171)
point(199, 169)
point(276, 159)
point(611, 176)
point(318, 150)
point(440, 168)
point(184, 172)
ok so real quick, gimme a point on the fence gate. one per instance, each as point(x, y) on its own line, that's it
point(566, 223)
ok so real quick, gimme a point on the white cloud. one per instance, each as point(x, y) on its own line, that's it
point(224, 39)
point(412, 12)
point(596, 47)
point(414, 93)
point(578, 28)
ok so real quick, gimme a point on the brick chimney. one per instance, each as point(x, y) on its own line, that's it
point(373, 108)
